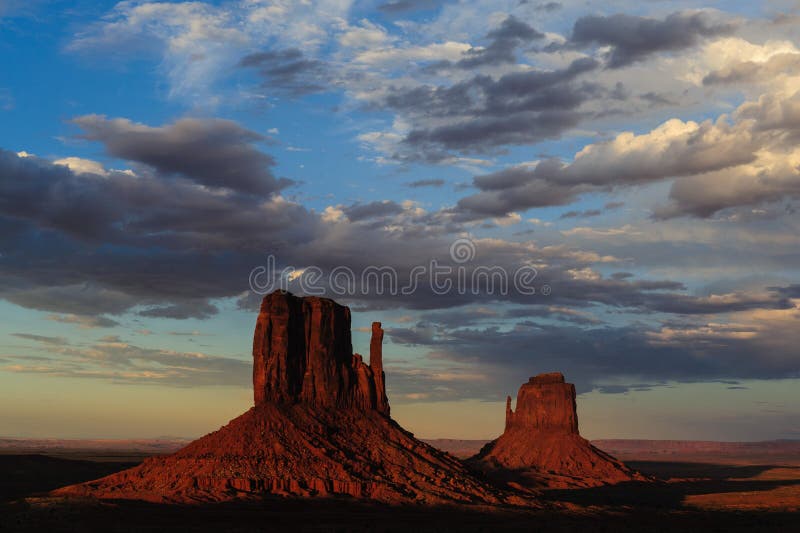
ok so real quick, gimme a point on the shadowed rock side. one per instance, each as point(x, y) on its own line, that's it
point(541, 446)
point(303, 353)
point(319, 427)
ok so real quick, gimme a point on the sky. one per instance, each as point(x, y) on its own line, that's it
point(606, 189)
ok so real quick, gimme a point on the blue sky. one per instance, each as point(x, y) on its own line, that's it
point(641, 156)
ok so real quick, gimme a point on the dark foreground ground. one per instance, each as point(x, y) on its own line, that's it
point(693, 496)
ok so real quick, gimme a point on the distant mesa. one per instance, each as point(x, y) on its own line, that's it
point(320, 427)
point(541, 446)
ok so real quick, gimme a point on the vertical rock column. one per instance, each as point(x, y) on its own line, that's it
point(376, 364)
point(279, 346)
point(509, 413)
point(302, 352)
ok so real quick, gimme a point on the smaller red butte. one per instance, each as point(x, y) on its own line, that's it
point(541, 445)
point(546, 402)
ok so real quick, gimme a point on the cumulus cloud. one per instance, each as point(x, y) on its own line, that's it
point(755, 71)
point(720, 164)
point(79, 165)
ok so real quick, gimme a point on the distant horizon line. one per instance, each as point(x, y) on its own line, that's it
point(177, 438)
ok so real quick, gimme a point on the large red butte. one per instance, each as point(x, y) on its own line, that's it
point(320, 427)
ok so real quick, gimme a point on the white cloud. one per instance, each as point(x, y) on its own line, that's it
point(365, 35)
point(508, 220)
point(332, 214)
point(397, 56)
point(82, 166)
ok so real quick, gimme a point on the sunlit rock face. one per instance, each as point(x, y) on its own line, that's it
point(544, 403)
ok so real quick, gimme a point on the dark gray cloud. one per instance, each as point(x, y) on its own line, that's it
point(137, 210)
point(790, 291)
point(402, 7)
point(481, 315)
point(651, 296)
point(87, 245)
point(183, 245)
point(548, 6)
point(687, 196)
point(289, 70)
point(587, 213)
point(634, 38)
point(717, 164)
point(582, 214)
point(482, 112)
point(629, 357)
point(559, 314)
point(212, 152)
point(503, 43)
point(425, 183)
point(85, 299)
point(41, 338)
point(377, 209)
point(518, 188)
point(656, 99)
point(482, 133)
point(114, 360)
point(199, 309)
point(171, 247)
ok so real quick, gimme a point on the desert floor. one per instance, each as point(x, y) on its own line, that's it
point(731, 493)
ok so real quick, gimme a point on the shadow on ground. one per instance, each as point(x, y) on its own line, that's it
point(632, 507)
point(22, 475)
point(333, 515)
point(698, 478)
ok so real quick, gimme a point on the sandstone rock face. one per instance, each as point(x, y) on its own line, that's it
point(544, 403)
point(320, 427)
point(303, 353)
point(541, 446)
